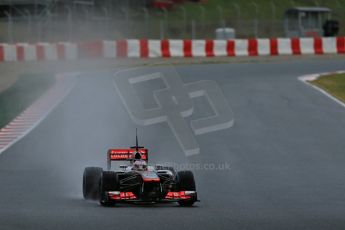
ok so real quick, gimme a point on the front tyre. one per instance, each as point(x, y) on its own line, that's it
point(186, 182)
point(91, 178)
point(108, 182)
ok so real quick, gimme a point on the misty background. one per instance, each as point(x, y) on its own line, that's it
point(86, 20)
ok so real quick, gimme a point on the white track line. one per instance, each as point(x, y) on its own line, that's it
point(311, 77)
point(37, 111)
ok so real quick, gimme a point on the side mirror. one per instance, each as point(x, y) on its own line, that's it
point(158, 167)
point(123, 167)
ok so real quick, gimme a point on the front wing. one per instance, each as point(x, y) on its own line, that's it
point(119, 196)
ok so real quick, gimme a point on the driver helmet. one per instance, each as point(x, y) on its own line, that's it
point(139, 165)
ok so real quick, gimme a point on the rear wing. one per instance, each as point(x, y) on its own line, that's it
point(125, 155)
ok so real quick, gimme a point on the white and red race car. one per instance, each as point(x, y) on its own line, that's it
point(137, 182)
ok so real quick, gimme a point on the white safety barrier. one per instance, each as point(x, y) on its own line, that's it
point(135, 48)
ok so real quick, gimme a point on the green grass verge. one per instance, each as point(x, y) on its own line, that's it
point(25, 91)
point(333, 84)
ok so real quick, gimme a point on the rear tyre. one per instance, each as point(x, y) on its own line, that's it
point(91, 178)
point(186, 182)
point(108, 182)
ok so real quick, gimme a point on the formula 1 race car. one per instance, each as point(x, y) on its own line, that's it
point(137, 182)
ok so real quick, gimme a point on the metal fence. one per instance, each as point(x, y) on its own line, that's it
point(87, 22)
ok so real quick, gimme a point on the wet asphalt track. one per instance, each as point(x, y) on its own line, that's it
point(286, 151)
